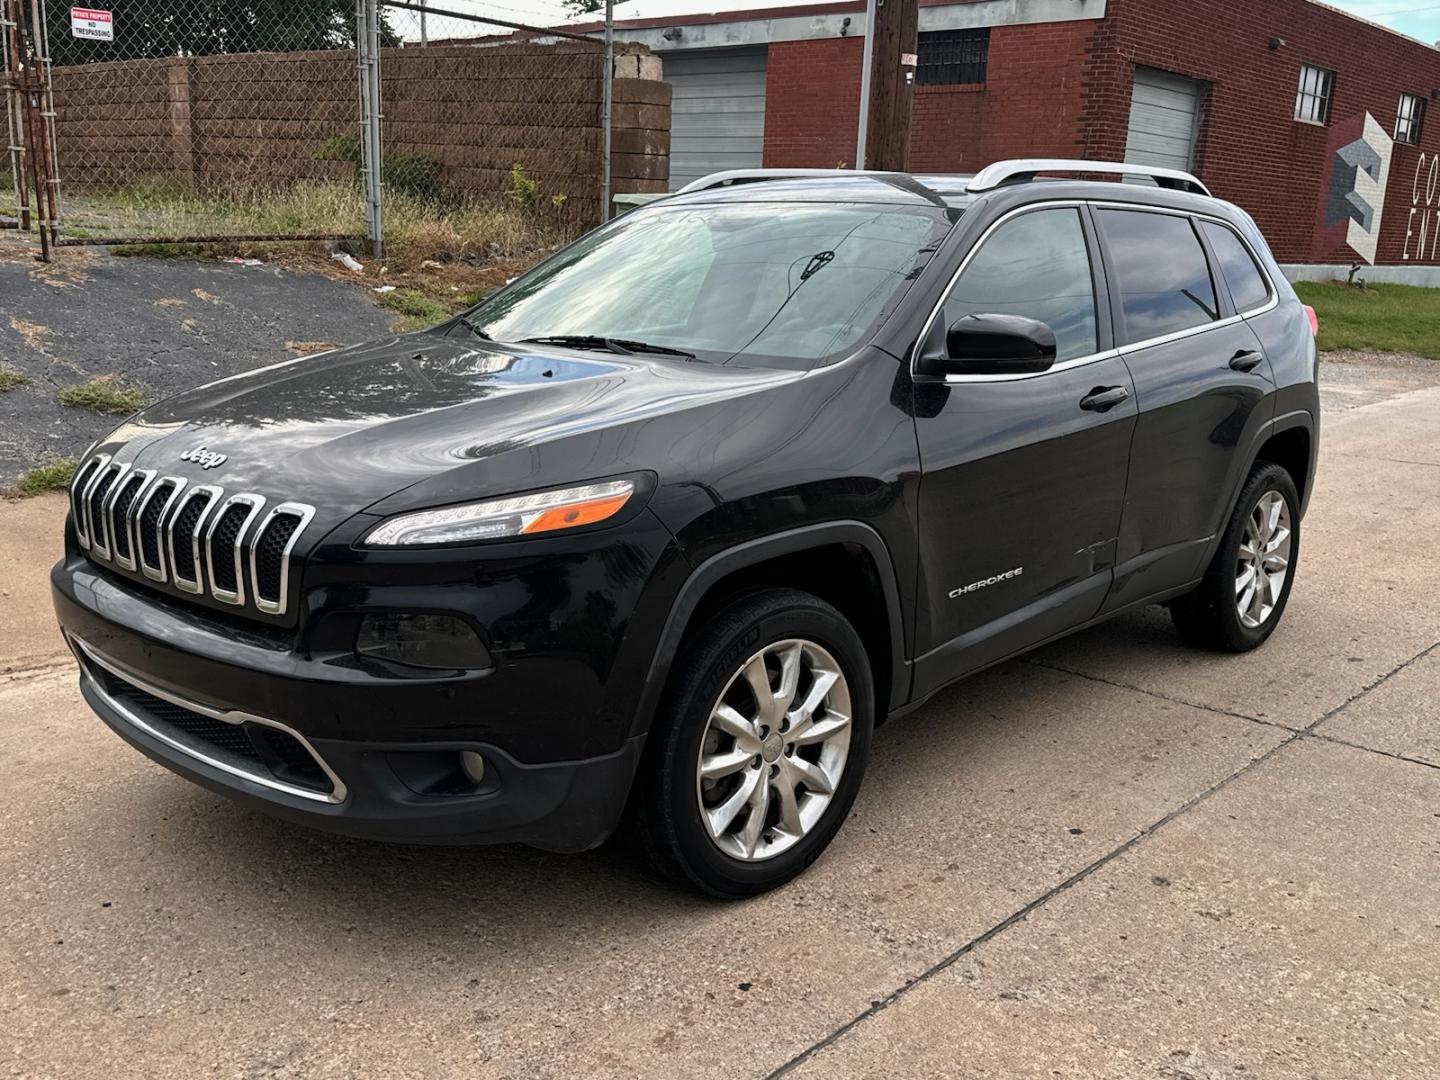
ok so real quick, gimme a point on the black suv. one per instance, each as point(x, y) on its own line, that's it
point(658, 532)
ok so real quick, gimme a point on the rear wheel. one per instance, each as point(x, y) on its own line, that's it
point(1244, 592)
point(759, 750)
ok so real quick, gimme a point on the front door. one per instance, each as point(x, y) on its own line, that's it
point(1023, 477)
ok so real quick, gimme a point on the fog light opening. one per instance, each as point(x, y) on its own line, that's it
point(472, 764)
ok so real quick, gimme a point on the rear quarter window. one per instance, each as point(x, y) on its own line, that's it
point(1248, 287)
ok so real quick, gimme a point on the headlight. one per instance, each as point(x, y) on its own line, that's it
point(492, 519)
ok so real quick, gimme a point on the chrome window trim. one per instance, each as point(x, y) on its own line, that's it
point(100, 539)
point(256, 504)
point(228, 716)
point(305, 513)
point(160, 573)
point(1109, 354)
point(80, 511)
point(1191, 331)
point(131, 522)
point(197, 586)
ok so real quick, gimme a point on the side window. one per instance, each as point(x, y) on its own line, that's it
point(1160, 270)
point(1035, 265)
point(1237, 266)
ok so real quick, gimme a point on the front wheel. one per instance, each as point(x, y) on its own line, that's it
point(758, 752)
point(1243, 594)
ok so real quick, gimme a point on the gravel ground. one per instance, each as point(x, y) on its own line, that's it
point(161, 324)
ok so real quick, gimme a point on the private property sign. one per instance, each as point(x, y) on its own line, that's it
point(92, 25)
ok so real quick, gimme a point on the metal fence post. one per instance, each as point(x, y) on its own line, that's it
point(609, 90)
point(367, 47)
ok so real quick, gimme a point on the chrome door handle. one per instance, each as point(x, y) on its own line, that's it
point(1104, 397)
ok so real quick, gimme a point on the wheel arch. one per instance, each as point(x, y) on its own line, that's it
point(806, 558)
point(1290, 441)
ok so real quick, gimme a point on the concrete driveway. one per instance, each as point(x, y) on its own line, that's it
point(1116, 858)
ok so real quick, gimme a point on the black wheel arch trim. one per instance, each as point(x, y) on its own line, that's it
point(1289, 421)
point(759, 550)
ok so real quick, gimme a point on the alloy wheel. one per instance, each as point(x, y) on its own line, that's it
point(1263, 560)
point(774, 749)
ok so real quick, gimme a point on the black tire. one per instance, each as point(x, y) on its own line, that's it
point(1208, 617)
point(664, 822)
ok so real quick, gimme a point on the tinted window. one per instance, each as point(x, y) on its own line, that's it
point(792, 282)
point(1237, 267)
point(1160, 268)
point(1034, 265)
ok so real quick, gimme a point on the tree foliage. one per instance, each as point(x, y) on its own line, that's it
point(158, 28)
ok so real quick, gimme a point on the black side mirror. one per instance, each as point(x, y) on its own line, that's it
point(989, 345)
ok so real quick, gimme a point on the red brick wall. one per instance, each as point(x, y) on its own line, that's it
point(1029, 105)
point(812, 103)
point(1251, 150)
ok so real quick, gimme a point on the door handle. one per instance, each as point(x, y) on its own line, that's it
point(1104, 397)
point(1246, 360)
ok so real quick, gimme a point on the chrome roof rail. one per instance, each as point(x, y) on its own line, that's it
point(1023, 170)
point(732, 176)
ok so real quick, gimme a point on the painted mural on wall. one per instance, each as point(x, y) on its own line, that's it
point(1360, 155)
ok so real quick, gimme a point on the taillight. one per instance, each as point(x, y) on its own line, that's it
point(1314, 319)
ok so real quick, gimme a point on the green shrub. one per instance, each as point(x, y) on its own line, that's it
point(11, 377)
point(417, 175)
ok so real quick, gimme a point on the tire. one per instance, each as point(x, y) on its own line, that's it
point(672, 805)
point(1211, 616)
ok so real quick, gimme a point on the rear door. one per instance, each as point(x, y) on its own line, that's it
point(1023, 476)
point(1203, 386)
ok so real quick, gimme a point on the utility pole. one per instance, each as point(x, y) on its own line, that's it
point(891, 29)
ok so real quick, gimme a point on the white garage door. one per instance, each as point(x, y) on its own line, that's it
point(717, 113)
point(1164, 119)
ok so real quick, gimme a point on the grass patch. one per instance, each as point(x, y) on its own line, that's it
point(415, 310)
point(1375, 318)
point(159, 251)
point(103, 394)
point(11, 377)
point(47, 476)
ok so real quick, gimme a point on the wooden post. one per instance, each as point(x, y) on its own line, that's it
point(892, 43)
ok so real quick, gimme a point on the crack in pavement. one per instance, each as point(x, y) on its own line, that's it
point(1021, 914)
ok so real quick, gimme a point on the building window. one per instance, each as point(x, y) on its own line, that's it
point(1312, 102)
point(952, 57)
point(1408, 117)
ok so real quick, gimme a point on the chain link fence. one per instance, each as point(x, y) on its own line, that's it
point(192, 120)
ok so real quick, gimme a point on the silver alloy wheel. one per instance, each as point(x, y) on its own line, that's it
point(1264, 559)
point(773, 750)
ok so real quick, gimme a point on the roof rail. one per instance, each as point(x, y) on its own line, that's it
point(743, 176)
point(1023, 170)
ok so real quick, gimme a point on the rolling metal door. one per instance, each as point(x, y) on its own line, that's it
point(717, 113)
point(1164, 119)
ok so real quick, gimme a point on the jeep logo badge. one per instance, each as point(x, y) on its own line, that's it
point(206, 459)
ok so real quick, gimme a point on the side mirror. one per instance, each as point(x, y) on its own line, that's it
point(989, 345)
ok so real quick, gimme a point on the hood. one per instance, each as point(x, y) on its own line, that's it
point(344, 429)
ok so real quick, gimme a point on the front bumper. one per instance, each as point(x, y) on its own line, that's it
point(250, 717)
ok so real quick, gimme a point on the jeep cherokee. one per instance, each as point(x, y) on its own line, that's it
point(658, 532)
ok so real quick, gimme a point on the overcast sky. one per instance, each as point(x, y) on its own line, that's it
point(1414, 17)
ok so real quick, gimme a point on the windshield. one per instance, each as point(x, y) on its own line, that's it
point(794, 282)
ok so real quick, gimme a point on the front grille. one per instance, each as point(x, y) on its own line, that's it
point(270, 554)
point(193, 537)
point(271, 755)
point(151, 550)
point(119, 518)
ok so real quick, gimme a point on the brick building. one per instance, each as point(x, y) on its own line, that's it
point(1312, 119)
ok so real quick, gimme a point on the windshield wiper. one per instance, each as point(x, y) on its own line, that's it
point(474, 329)
point(622, 346)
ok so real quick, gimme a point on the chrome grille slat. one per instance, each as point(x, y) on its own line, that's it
point(84, 483)
point(189, 534)
point(252, 504)
point(177, 533)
